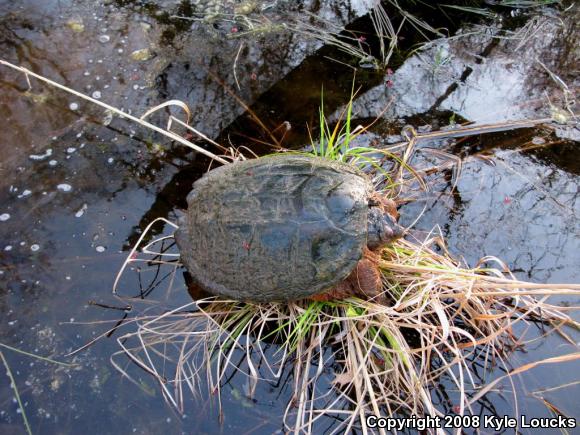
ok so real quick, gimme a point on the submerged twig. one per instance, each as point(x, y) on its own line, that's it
point(473, 130)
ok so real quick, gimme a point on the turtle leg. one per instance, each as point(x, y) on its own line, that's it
point(364, 281)
point(367, 279)
point(385, 204)
point(340, 291)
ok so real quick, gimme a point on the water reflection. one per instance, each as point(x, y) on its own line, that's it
point(476, 75)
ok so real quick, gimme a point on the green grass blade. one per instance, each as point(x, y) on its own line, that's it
point(16, 394)
point(35, 356)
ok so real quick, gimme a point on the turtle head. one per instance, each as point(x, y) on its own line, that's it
point(383, 228)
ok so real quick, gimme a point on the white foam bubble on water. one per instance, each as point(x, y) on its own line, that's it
point(64, 187)
point(4, 217)
point(81, 211)
point(43, 156)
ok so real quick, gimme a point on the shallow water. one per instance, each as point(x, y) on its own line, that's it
point(77, 186)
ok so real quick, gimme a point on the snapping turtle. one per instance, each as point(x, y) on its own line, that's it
point(280, 227)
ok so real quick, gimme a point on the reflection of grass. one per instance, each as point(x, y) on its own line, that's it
point(517, 4)
point(528, 3)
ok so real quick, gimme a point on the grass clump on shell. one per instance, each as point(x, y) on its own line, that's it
point(386, 357)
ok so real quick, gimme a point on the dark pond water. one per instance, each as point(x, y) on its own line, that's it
point(78, 186)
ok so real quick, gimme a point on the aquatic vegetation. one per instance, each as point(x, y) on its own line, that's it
point(337, 142)
point(16, 393)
